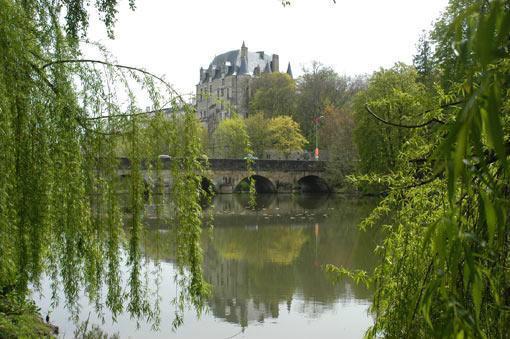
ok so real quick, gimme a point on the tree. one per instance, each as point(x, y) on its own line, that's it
point(336, 135)
point(423, 60)
point(231, 139)
point(274, 94)
point(257, 127)
point(450, 45)
point(394, 95)
point(286, 136)
point(318, 87)
point(444, 266)
point(60, 122)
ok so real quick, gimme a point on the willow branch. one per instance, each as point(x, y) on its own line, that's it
point(106, 63)
point(43, 77)
point(120, 115)
point(422, 183)
point(95, 131)
point(431, 121)
point(429, 270)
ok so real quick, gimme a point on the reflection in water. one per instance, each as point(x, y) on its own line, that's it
point(257, 260)
point(265, 268)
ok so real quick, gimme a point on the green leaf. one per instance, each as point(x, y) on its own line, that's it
point(491, 217)
point(476, 294)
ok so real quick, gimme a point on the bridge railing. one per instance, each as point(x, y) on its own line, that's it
point(240, 164)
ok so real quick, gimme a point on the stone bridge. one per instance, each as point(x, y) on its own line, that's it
point(271, 176)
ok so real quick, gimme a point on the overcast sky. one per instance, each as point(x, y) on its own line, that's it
point(174, 38)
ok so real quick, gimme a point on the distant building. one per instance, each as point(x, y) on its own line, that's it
point(225, 85)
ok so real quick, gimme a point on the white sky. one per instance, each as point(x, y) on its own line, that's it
point(174, 38)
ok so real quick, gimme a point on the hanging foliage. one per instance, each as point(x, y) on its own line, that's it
point(446, 256)
point(64, 121)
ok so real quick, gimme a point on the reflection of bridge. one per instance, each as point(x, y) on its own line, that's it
point(231, 175)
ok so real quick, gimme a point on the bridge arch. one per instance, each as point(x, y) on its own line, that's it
point(313, 184)
point(262, 185)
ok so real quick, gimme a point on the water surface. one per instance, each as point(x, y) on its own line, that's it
point(266, 270)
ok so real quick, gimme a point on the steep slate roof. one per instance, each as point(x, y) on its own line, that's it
point(289, 71)
point(234, 57)
point(267, 69)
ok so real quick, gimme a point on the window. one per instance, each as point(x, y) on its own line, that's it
point(222, 93)
point(228, 93)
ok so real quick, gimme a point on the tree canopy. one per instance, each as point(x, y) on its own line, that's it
point(61, 119)
point(274, 94)
point(393, 95)
point(238, 138)
point(445, 257)
point(285, 135)
point(257, 127)
point(230, 139)
point(336, 136)
point(320, 86)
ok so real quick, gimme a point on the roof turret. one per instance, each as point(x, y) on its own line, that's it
point(289, 70)
point(267, 69)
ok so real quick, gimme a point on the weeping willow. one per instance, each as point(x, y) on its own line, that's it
point(445, 268)
point(64, 121)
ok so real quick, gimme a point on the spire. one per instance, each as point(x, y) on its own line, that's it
point(267, 69)
point(244, 50)
point(289, 70)
point(243, 69)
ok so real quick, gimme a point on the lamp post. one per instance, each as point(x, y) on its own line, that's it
point(316, 123)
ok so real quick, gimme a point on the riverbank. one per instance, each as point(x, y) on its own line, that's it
point(22, 320)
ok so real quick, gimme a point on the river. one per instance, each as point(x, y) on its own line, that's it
point(266, 270)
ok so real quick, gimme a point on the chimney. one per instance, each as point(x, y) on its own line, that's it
point(275, 63)
point(201, 74)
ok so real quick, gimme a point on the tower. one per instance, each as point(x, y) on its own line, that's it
point(244, 50)
point(243, 68)
point(275, 63)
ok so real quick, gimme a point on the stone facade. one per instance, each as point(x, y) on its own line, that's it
point(224, 87)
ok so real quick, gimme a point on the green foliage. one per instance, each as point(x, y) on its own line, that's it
point(445, 268)
point(336, 135)
point(423, 60)
point(83, 331)
point(396, 96)
point(285, 135)
point(274, 94)
point(21, 319)
point(317, 88)
point(238, 138)
point(257, 127)
point(62, 120)
point(230, 139)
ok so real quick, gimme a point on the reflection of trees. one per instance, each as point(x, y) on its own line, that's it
point(280, 244)
point(257, 261)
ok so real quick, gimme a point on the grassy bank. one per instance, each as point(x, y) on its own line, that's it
point(21, 319)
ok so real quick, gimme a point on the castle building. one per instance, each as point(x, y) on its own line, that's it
point(224, 87)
